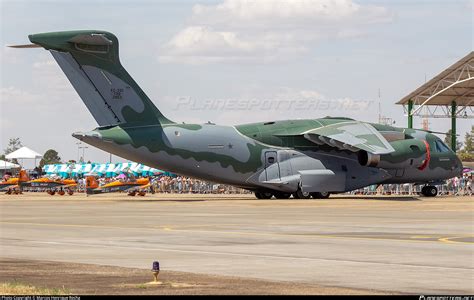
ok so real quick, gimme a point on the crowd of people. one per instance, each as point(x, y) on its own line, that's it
point(178, 184)
point(457, 186)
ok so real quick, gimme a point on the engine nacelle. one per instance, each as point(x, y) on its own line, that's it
point(410, 153)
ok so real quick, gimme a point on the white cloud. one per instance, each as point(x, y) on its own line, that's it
point(203, 44)
point(293, 11)
point(256, 31)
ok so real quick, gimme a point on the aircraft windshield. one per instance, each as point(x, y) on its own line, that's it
point(442, 147)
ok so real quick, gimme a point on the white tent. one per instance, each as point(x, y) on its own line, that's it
point(22, 153)
point(5, 165)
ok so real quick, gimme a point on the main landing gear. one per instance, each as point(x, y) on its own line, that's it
point(263, 195)
point(429, 191)
point(297, 195)
point(60, 192)
point(320, 195)
point(139, 193)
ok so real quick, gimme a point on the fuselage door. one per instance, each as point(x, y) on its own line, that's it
point(272, 168)
point(284, 163)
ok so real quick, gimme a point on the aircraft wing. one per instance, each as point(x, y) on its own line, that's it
point(352, 135)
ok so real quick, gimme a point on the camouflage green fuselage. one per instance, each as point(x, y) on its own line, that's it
point(238, 155)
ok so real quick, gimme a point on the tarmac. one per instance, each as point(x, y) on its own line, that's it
point(395, 244)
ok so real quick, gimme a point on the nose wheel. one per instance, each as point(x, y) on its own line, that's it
point(429, 191)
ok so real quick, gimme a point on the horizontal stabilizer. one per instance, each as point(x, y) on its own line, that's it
point(25, 46)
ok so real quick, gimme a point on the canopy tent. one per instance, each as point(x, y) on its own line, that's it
point(23, 153)
point(107, 170)
point(5, 165)
point(450, 94)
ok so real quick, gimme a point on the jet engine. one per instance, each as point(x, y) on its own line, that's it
point(409, 153)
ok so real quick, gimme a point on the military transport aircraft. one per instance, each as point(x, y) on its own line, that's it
point(305, 158)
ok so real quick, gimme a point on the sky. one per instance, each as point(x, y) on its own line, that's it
point(233, 61)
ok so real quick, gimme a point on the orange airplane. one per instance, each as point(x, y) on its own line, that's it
point(10, 186)
point(61, 186)
point(133, 187)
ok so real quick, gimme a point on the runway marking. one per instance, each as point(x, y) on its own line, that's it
point(434, 239)
point(169, 228)
point(450, 240)
point(287, 257)
point(73, 225)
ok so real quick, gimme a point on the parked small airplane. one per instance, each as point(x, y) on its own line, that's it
point(10, 186)
point(61, 186)
point(133, 187)
point(305, 158)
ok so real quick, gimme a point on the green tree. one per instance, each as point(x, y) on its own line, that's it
point(447, 140)
point(467, 153)
point(13, 145)
point(50, 157)
point(468, 141)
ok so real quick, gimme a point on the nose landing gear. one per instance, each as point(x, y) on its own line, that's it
point(429, 191)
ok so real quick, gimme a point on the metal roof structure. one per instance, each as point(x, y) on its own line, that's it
point(450, 94)
point(454, 84)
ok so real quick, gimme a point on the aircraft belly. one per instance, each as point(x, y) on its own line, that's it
point(322, 181)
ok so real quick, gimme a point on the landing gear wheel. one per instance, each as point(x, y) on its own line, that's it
point(301, 195)
point(70, 192)
point(320, 195)
point(61, 192)
point(429, 191)
point(281, 195)
point(141, 194)
point(51, 192)
point(263, 195)
point(132, 193)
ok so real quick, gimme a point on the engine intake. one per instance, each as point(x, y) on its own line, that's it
point(410, 153)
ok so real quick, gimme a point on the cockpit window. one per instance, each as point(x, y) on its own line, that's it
point(442, 147)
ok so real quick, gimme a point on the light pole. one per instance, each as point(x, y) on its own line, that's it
point(78, 147)
point(83, 148)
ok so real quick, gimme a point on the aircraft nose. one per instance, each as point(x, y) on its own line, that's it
point(457, 167)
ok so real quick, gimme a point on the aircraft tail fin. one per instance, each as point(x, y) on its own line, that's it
point(91, 183)
point(23, 176)
point(90, 60)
